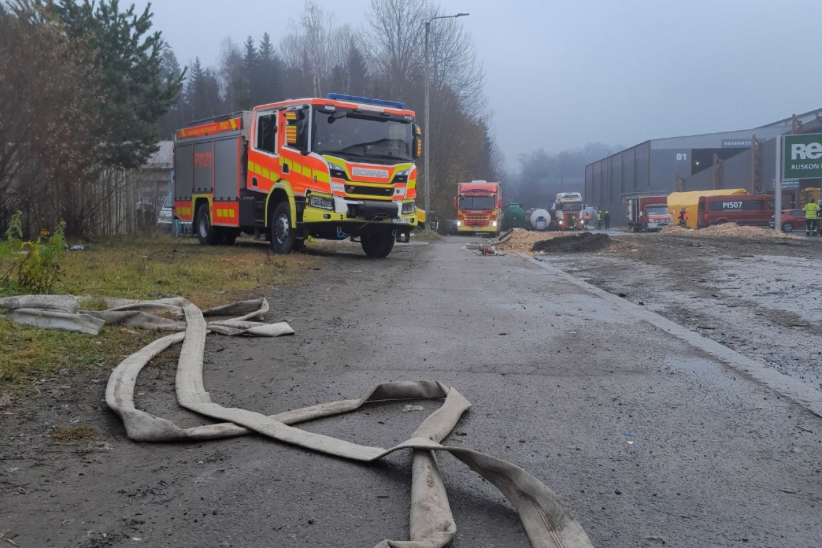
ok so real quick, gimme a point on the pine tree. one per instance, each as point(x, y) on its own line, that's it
point(338, 80)
point(134, 92)
point(268, 82)
point(357, 72)
point(250, 73)
point(172, 120)
point(231, 75)
point(202, 93)
point(194, 84)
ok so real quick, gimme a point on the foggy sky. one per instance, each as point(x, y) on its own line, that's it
point(562, 73)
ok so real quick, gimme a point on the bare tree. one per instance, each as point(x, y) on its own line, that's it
point(316, 41)
point(395, 42)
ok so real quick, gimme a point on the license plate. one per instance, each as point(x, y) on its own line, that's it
point(401, 221)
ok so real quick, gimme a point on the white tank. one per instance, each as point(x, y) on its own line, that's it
point(537, 219)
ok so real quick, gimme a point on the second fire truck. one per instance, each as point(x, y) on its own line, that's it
point(479, 207)
point(334, 168)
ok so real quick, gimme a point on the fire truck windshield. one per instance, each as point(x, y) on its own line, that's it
point(477, 202)
point(656, 210)
point(347, 133)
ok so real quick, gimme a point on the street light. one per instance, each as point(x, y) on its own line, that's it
point(427, 134)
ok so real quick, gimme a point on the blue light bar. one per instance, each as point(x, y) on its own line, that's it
point(364, 100)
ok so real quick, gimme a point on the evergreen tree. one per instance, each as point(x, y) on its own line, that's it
point(172, 120)
point(202, 93)
point(231, 74)
point(134, 92)
point(358, 81)
point(249, 72)
point(338, 81)
point(267, 85)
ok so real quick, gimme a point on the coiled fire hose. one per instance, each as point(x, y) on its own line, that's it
point(546, 522)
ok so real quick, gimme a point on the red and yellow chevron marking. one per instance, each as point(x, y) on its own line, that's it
point(291, 134)
point(226, 213)
point(210, 129)
point(183, 210)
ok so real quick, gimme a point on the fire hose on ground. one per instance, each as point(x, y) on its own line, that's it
point(546, 522)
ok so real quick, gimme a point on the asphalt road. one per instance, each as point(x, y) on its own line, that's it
point(561, 383)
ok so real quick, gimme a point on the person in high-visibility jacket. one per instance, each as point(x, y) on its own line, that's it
point(811, 210)
point(599, 219)
point(683, 217)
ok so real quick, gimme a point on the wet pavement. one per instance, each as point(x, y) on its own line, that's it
point(645, 438)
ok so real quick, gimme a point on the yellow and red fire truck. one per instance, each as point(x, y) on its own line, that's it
point(334, 168)
point(479, 207)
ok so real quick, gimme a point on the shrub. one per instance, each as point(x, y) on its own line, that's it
point(34, 264)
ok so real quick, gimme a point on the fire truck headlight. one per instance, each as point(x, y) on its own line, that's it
point(321, 202)
point(493, 223)
point(401, 176)
point(560, 222)
point(459, 223)
point(408, 208)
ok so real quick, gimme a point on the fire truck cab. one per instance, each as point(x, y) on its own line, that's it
point(334, 168)
point(479, 207)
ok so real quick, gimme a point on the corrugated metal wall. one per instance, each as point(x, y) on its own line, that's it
point(609, 179)
point(645, 170)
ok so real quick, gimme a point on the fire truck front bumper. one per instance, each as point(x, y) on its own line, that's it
point(324, 209)
point(489, 228)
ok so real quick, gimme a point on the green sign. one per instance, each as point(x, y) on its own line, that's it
point(802, 156)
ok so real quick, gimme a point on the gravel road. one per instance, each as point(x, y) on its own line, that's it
point(645, 438)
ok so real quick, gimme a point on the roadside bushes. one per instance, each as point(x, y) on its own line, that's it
point(31, 266)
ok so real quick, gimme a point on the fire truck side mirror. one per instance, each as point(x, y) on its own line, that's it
point(416, 145)
point(454, 201)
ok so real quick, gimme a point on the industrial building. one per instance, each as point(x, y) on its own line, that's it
point(734, 159)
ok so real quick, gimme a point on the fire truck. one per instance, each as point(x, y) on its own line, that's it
point(648, 213)
point(479, 207)
point(566, 211)
point(334, 168)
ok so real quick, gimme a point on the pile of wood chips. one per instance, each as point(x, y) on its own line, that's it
point(727, 230)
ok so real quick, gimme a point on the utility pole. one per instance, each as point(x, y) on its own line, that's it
point(427, 133)
point(777, 186)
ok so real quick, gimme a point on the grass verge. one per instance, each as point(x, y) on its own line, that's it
point(137, 268)
point(424, 236)
point(75, 434)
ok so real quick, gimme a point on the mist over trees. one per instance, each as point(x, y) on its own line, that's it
point(120, 88)
point(384, 58)
point(541, 175)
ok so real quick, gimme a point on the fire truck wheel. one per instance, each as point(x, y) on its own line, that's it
point(279, 229)
point(378, 244)
point(206, 234)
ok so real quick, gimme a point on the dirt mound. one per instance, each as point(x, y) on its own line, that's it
point(573, 243)
point(727, 230)
point(519, 240)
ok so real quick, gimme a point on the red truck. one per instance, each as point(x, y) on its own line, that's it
point(647, 213)
point(479, 207)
